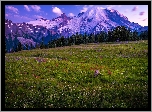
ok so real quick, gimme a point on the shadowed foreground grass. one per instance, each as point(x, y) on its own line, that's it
point(64, 77)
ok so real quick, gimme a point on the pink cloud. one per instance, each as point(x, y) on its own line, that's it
point(71, 14)
point(57, 11)
point(6, 15)
point(22, 17)
point(27, 8)
point(36, 8)
point(13, 9)
point(141, 13)
point(135, 8)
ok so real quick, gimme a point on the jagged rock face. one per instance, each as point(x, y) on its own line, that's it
point(24, 33)
point(62, 21)
point(80, 14)
point(21, 29)
point(94, 20)
point(65, 20)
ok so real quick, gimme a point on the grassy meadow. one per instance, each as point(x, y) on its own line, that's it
point(63, 77)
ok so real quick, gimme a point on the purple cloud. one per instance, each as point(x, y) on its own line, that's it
point(13, 9)
point(36, 8)
point(135, 8)
point(144, 19)
point(141, 13)
point(22, 17)
point(71, 14)
point(57, 11)
point(6, 15)
point(27, 8)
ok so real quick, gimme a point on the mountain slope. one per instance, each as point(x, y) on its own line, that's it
point(97, 19)
point(94, 20)
point(49, 24)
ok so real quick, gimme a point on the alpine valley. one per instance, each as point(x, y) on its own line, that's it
point(94, 20)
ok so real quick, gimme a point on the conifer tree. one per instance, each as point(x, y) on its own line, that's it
point(62, 41)
point(5, 47)
point(19, 47)
point(135, 35)
point(26, 47)
point(42, 43)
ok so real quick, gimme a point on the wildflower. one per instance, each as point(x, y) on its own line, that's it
point(96, 73)
point(17, 58)
point(109, 72)
point(43, 60)
point(39, 60)
point(36, 76)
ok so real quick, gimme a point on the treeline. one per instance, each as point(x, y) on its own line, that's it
point(120, 33)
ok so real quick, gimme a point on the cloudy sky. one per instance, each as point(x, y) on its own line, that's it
point(26, 13)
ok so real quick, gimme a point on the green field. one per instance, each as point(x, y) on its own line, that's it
point(63, 77)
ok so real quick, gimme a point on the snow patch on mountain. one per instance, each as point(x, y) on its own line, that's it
point(96, 19)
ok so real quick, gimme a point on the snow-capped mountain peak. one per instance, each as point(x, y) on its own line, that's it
point(96, 12)
point(50, 24)
point(96, 19)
